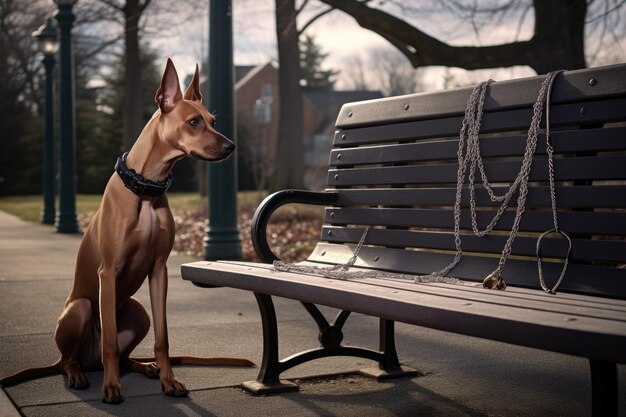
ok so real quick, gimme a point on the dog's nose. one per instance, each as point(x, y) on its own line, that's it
point(228, 146)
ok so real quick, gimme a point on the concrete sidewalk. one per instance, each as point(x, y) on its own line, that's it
point(463, 376)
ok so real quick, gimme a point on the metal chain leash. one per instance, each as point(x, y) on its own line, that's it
point(343, 271)
point(550, 152)
point(469, 139)
point(469, 159)
point(495, 280)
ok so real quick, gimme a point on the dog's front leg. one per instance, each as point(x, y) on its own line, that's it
point(111, 387)
point(158, 295)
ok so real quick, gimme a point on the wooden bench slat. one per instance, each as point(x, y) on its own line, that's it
point(566, 169)
point(605, 308)
point(524, 326)
point(606, 281)
point(596, 196)
point(565, 302)
point(588, 222)
point(582, 249)
point(500, 121)
point(568, 87)
point(596, 140)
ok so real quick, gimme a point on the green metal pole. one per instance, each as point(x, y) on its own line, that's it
point(66, 216)
point(222, 240)
point(49, 174)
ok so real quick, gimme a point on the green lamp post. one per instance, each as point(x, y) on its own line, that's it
point(222, 240)
point(46, 37)
point(66, 221)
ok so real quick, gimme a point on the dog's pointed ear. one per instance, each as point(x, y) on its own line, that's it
point(169, 94)
point(193, 91)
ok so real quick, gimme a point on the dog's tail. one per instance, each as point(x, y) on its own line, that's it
point(203, 361)
point(31, 373)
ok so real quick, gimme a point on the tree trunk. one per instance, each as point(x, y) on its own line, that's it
point(289, 156)
point(558, 41)
point(133, 87)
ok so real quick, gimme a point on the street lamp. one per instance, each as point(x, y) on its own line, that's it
point(46, 37)
point(65, 221)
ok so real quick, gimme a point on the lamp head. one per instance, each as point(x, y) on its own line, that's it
point(46, 37)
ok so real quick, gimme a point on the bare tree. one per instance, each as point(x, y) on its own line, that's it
point(289, 162)
point(132, 11)
point(20, 97)
point(20, 67)
point(354, 73)
point(395, 75)
point(387, 71)
point(289, 159)
point(133, 17)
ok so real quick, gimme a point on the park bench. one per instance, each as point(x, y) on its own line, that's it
point(393, 167)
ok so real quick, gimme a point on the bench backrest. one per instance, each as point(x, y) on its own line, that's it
point(394, 166)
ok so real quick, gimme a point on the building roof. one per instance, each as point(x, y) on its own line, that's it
point(242, 70)
point(250, 73)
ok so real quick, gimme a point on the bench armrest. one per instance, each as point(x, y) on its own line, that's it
point(270, 204)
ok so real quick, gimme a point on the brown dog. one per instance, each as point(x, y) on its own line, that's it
point(130, 238)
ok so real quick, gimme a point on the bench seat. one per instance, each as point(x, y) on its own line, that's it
point(565, 323)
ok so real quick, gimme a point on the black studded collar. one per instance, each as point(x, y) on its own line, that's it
point(137, 183)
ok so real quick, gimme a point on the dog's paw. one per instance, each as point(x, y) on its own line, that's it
point(151, 370)
point(77, 380)
point(80, 385)
point(173, 387)
point(112, 393)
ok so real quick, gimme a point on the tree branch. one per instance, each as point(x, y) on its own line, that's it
point(143, 6)
point(422, 49)
point(302, 6)
point(314, 18)
point(101, 47)
point(112, 5)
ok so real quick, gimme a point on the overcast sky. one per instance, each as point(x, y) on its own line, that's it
point(343, 39)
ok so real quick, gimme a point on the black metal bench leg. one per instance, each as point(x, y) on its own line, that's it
point(268, 380)
point(389, 367)
point(604, 388)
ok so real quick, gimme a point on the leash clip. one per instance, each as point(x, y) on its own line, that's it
point(540, 260)
point(494, 281)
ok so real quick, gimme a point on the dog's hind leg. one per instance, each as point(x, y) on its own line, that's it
point(73, 334)
point(133, 325)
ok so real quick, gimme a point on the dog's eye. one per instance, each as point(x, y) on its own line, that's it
point(193, 122)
